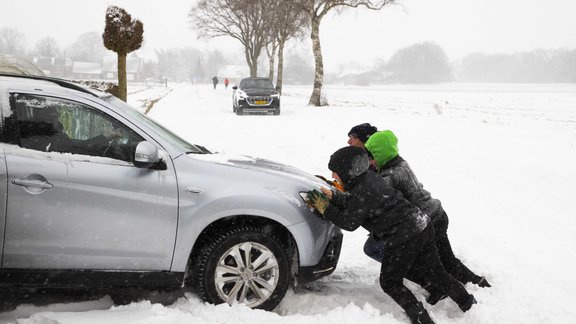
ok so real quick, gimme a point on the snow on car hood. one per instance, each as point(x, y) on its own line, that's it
point(260, 164)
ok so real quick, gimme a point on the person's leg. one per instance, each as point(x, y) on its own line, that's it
point(396, 263)
point(428, 262)
point(404, 297)
point(451, 263)
point(374, 249)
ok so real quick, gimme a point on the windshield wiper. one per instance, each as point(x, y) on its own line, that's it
point(201, 150)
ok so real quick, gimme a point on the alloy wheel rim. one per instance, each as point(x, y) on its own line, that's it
point(247, 273)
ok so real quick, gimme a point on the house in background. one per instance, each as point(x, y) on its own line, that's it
point(64, 67)
point(234, 73)
point(53, 66)
point(86, 70)
point(134, 67)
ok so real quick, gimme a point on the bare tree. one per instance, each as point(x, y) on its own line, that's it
point(290, 21)
point(271, 49)
point(317, 9)
point(420, 63)
point(47, 47)
point(88, 48)
point(122, 35)
point(244, 20)
point(11, 42)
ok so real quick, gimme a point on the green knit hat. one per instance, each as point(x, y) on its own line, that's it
point(383, 146)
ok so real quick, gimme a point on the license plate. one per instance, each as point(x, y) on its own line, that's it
point(260, 102)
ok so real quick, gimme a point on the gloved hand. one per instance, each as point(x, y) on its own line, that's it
point(318, 200)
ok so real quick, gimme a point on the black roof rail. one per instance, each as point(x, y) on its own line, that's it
point(61, 82)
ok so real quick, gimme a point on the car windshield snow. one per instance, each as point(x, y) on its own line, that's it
point(161, 130)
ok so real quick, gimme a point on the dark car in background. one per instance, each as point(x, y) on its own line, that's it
point(255, 95)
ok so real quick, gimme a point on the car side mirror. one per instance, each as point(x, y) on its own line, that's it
point(146, 155)
point(235, 87)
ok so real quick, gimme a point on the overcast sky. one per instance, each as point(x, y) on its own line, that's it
point(460, 27)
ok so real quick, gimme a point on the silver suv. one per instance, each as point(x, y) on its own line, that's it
point(96, 194)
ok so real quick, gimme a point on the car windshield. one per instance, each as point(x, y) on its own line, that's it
point(256, 84)
point(164, 132)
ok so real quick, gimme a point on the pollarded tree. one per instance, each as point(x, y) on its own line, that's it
point(318, 9)
point(244, 20)
point(122, 35)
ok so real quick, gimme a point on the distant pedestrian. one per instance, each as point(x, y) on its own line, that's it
point(215, 81)
point(226, 83)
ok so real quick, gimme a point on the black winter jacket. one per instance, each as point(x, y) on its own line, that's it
point(399, 175)
point(379, 208)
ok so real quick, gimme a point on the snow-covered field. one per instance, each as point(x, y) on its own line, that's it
point(500, 158)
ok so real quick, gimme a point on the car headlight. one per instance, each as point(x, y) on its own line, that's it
point(276, 95)
point(304, 196)
point(241, 94)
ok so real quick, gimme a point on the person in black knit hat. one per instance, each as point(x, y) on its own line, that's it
point(409, 240)
point(359, 134)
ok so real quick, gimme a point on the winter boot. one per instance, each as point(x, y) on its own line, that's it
point(468, 303)
point(418, 314)
point(483, 283)
point(434, 296)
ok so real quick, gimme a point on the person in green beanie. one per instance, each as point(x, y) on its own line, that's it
point(383, 147)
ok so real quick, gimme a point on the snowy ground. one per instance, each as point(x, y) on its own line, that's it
point(500, 157)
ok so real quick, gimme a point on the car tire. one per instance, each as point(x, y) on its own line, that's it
point(239, 111)
point(8, 302)
point(277, 112)
point(244, 265)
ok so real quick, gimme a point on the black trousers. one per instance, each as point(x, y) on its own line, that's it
point(420, 256)
point(376, 249)
point(451, 263)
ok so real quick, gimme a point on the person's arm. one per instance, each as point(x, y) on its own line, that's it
point(337, 198)
point(348, 217)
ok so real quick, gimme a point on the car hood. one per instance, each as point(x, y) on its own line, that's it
point(262, 165)
point(260, 92)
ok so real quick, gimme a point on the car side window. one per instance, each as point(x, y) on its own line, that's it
point(59, 125)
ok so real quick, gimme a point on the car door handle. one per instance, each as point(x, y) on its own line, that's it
point(32, 183)
point(194, 191)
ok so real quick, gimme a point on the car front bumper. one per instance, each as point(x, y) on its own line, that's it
point(327, 263)
point(249, 104)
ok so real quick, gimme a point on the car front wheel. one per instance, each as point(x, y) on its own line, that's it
point(244, 266)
